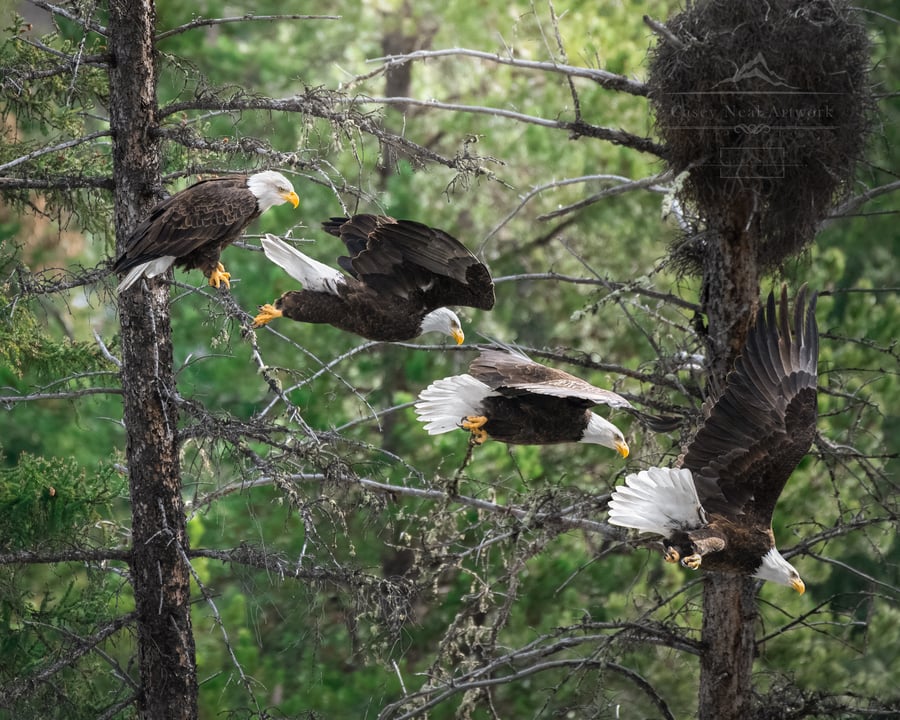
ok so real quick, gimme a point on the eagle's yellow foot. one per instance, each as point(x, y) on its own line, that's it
point(219, 276)
point(692, 561)
point(671, 555)
point(267, 313)
point(475, 425)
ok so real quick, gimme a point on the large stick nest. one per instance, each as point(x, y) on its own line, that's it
point(767, 105)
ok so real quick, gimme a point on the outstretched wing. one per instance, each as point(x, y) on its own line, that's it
point(211, 211)
point(511, 373)
point(765, 421)
point(312, 274)
point(411, 260)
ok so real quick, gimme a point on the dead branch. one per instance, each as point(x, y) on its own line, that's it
point(31, 557)
point(575, 128)
point(55, 148)
point(605, 78)
point(208, 22)
point(13, 692)
point(63, 395)
point(86, 23)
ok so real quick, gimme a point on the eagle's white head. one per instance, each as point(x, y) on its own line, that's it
point(444, 320)
point(603, 432)
point(271, 188)
point(775, 568)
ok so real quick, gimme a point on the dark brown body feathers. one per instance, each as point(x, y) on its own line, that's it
point(399, 271)
point(756, 434)
point(193, 225)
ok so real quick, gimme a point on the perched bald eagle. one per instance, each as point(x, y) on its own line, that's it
point(717, 508)
point(402, 274)
point(515, 400)
point(191, 228)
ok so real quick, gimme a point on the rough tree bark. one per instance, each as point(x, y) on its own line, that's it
point(730, 294)
point(159, 571)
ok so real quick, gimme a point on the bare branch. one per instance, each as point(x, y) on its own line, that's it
point(18, 75)
point(86, 23)
point(113, 710)
point(316, 103)
point(105, 350)
point(55, 148)
point(522, 663)
point(278, 564)
point(326, 368)
point(528, 515)
point(632, 287)
point(206, 22)
point(649, 183)
point(663, 32)
point(64, 395)
point(56, 280)
point(217, 618)
point(803, 547)
point(117, 669)
point(534, 192)
point(66, 182)
point(854, 571)
point(30, 557)
point(576, 128)
point(851, 205)
point(11, 693)
point(601, 77)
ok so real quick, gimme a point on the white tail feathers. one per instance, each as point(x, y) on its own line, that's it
point(444, 403)
point(312, 274)
point(149, 269)
point(657, 500)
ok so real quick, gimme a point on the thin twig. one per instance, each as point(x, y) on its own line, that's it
point(650, 183)
point(23, 687)
point(851, 205)
point(55, 148)
point(206, 22)
point(601, 77)
point(575, 128)
point(663, 32)
point(535, 191)
point(217, 618)
point(66, 395)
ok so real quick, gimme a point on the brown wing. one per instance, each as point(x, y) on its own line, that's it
point(511, 373)
point(213, 211)
point(765, 421)
point(411, 260)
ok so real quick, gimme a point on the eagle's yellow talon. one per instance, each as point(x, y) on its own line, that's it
point(219, 276)
point(267, 313)
point(671, 555)
point(475, 425)
point(692, 561)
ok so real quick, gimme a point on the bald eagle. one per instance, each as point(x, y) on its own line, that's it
point(515, 400)
point(191, 228)
point(402, 274)
point(716, 509)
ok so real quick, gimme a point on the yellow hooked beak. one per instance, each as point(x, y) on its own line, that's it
point(292, 198)
point(798, 585)
point(458, 335)
point(622, 448)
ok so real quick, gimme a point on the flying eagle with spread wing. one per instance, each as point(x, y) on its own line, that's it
point(509, 397)
point(400, 277)
point(716, 508)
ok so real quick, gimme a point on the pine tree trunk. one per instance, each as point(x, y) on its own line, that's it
point(159, 570)
point(730, 296)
